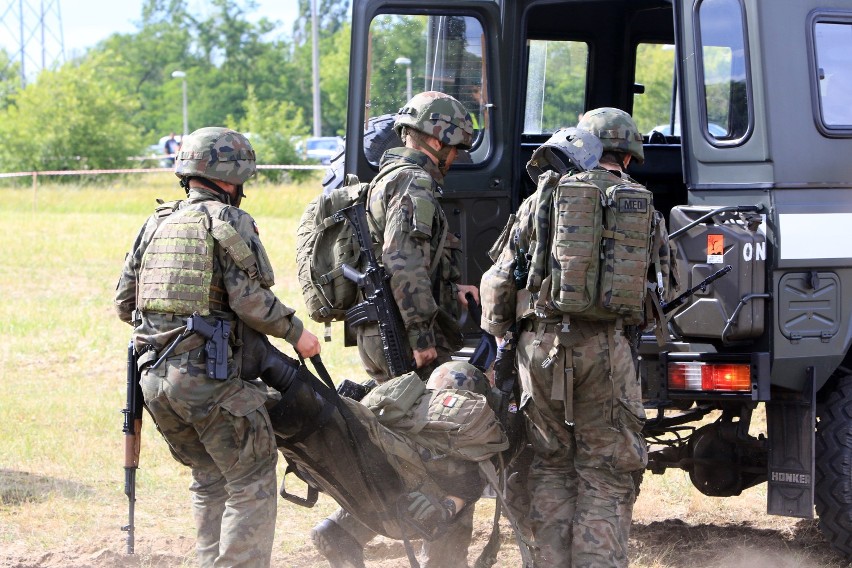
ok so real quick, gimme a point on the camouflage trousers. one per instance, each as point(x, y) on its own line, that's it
point(221, 430)
point(582, 399)
point(373, 358)
point(448, 551)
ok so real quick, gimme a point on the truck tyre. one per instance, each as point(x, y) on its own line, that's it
point(833, 479)
point(378, 137)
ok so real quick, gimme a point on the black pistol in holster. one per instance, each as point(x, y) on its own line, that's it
point(216, 347)
point(379, 304)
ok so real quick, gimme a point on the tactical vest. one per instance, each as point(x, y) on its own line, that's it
point(600, 243)
point(177, 273)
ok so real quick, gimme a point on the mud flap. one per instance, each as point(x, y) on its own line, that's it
point(791, 426)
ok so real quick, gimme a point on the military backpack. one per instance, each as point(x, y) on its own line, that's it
point(597, 244)
point(325, 242)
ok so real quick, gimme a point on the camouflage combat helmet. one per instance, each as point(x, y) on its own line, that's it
point(616, 130)
point(438, 115)
point(217, 154)
point(568, 148)
point(459, 375)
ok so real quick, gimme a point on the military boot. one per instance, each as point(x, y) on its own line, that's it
point(337, 546)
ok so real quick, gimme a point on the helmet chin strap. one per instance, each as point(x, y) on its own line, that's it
point(213, 186)
point(439, 155)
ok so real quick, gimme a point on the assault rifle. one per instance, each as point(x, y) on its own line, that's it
point(379, 304)
point(669, 307)
point(132, 441)
point(216, 347)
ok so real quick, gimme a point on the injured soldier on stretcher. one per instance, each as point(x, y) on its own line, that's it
point(404, 461)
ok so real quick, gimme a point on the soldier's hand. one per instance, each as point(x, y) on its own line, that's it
point(425, 356)
point(464, 289)
point(308, 344)
point(428, 511)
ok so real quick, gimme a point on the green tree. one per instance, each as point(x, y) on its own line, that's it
point(73, 119)
point(9, 77)
point(272, 128)
point(655, 70)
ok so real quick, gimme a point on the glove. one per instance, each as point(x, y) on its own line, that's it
point(427, 511)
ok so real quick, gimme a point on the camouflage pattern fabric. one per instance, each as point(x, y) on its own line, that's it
point(221, 430)
point(616, 130)
point(449, 551)
point(248, 297)
point(218, 428)
point(438, 115)
point(216, 153)
point(580, 481)
point(454, 476)
point(409, 226)
point(459, 375)
point(582, 400)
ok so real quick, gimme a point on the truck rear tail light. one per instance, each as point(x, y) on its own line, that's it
point(702, 376)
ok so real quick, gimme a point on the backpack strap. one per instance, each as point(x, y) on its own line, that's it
point(236, 247)
point(436, 260)
point(490, 473)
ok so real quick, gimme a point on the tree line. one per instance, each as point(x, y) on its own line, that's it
point(119, 97)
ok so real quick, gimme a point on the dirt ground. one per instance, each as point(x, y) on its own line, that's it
point(667, 543)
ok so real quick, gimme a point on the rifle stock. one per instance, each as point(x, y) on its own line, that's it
point(132, 429)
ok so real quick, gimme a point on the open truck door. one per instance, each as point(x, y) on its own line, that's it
point(401, 48)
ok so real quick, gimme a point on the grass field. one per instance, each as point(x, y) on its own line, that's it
point(62, 372)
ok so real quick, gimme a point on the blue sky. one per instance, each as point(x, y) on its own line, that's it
point(85, 22)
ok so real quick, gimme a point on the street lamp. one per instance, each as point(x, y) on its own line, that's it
point(407, 62)
point(182, 75)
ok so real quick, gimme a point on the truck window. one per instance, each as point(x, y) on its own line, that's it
point(833, 46)
point(556, 85)
point(723, 63)
point(413, 53)
point(654, 110)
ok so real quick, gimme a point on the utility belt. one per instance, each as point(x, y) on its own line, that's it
point(582, 328)
point(215, 347)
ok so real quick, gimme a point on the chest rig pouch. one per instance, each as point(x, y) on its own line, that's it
point(177, 274)
point(600, 247)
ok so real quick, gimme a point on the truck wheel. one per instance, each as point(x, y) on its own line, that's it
point(378, 137)
point(833, 479)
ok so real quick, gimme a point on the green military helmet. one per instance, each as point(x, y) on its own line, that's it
point(616, 130)
point(439, 115)
point(216, 153)
point(459, 375)
point(568, 148)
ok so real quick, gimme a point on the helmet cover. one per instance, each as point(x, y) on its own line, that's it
point(216, 153)
point(616, 130)
point(459, 375)
point(439, 115)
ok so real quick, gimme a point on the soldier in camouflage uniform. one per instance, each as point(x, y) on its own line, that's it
point(203, 254)
point(406, 221)
point(422, 258)
point(580, 391)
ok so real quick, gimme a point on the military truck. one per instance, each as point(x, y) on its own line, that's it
point(747, 105)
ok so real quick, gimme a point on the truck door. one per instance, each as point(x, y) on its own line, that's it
point(401, 48)
point(723, 136)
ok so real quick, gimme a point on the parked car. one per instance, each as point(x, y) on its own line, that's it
point(323, 148)
point(666, 130)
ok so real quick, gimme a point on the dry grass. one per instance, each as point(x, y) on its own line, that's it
point(62, 385)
